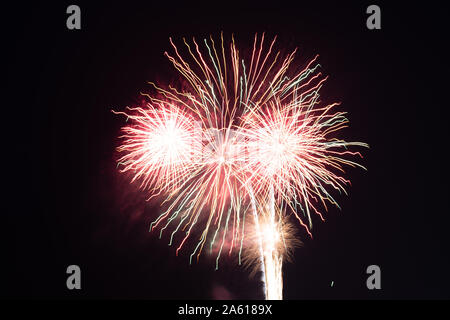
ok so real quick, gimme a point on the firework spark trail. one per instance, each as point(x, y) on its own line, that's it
point(259, 239)
point(238, 139)
point(272, 260)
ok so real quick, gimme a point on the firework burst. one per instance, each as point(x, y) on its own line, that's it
point(236, 150)
point(159, 148)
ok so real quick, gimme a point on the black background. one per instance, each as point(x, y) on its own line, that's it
point(65, 203)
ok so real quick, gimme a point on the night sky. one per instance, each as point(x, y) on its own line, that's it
point(67, 204)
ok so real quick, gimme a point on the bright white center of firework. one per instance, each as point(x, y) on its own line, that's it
point(171, 137)
point(278, 148)
point(275, 153)
point(224, 155)
point(169, 143)
point(270, 237)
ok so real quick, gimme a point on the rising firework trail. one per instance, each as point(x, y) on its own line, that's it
point(243, 144)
